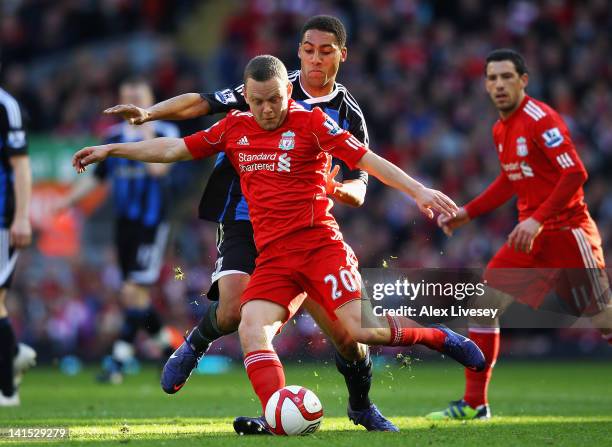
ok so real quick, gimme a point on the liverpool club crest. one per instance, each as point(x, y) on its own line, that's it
point(287, 141)
point(521, 147)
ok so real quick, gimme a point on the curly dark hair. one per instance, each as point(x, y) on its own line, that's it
point(328, 24)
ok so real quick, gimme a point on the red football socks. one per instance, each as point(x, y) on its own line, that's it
point(477, 383)
point(265, 372)
point(407, 336)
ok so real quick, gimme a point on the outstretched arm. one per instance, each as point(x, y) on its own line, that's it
point(427, 199)
point(496, 194)
point(157, 150)
point(182, 107)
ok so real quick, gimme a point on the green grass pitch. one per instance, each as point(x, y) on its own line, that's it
point(558, 403)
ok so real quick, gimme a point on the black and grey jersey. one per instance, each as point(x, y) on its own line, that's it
point(13, 142)
point(137, 195)
point(222, 200)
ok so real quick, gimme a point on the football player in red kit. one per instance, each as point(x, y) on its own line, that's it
point(280, 151)
point(556, 238)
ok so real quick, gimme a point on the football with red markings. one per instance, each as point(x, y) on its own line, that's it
point(294, 410)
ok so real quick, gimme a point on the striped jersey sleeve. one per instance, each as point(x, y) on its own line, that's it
point(551, 136)
point(222, 101)
point(356, 125)
point(12, 128)
point(333, 139)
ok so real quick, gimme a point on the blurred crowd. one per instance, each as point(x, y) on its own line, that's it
point(64, 59)
point(415, 67)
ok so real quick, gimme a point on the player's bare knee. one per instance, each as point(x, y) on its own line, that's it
point(255, 335)
point(359, 334)
point(347, 346)
point(246, 328)
point(350, 350)
point(366, 336)
point(344, 343)
point(252, 321)
point(135, 295)
point(230, 291)
point(250, 333)
point(228, 316)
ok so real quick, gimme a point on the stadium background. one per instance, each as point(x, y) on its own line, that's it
point(414, 66)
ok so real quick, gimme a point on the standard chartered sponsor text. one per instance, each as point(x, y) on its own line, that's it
point(246, 158)
point(253, 160)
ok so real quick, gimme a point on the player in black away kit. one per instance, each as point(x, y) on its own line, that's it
point(15, 233)
point(141, 230)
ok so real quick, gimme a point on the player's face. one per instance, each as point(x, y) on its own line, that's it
point(320, 56)
point(138, 94)
point(268, 101)
point(505, 86)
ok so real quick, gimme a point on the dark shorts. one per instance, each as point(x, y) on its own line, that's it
point(141, 250)
point(237, 252)
point(8, 259)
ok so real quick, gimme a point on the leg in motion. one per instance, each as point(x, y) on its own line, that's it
point(399, 331)
point(485, 333)
point(135, 301)
point(260, 322)
point(354, 363)
point(8, 351)
point(222, 317)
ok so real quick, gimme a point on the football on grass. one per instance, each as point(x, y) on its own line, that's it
point(294, 410)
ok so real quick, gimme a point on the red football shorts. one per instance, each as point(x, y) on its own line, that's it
point(327, 273)
point(569, 262)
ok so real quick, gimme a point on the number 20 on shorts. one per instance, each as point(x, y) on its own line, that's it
point(349, 280)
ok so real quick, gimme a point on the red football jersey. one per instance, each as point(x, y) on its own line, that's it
point(534, 148)
point(282, 172)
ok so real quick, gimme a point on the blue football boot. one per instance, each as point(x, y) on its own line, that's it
point(179, 367)
point(371, 418)
point(462, 349)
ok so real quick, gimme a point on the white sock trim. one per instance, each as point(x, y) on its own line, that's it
point(250, 359)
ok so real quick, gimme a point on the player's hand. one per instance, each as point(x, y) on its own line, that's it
point(89, 155)
point(523, 235)
point(449, 224)
point(129, 112)
point(331, 184)
point(20, 233)
point(430, 200)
